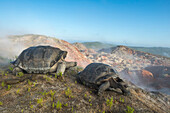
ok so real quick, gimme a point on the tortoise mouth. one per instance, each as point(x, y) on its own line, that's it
point(64, 54)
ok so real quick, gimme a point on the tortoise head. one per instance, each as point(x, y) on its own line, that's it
point(64, 54)
point(116, 82)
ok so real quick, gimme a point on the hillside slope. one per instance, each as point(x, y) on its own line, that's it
point(15, 44)
point(163, 51)
point(48, 93)
point(99, 46)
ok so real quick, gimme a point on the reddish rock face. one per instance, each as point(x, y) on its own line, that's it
point(74, 54)
point(147, 74)
point(34, 40)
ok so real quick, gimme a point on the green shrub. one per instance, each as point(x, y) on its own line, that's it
point(109, 102)
point(59, 105)
point(29, 89)
point(40, 101)
point(20, 74)
point(1, 103)
point(60, 74)
point(68, 92)
point(129, 110)
point(31, 106)
point(52, 94)
point(9, 87)
point(10, 68)
point(18, 91)
point(53, 105)
point(29, 82)
point(122, 100)
point(3, 84)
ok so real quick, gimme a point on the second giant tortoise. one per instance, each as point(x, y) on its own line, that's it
point(102, 77)
point(42, 59)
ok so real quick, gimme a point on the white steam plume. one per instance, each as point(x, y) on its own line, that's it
point(8, 50)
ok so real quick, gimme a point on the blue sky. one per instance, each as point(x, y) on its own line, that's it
point(129, 22)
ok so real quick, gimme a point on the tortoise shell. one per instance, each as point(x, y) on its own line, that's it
point(39, 59)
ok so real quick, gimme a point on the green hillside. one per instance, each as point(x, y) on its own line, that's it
point(163, 51)
point(97, 45)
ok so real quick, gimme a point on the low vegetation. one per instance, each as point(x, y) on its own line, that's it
point(47, 93)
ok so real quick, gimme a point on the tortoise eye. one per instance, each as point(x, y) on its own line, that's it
point(111, 70)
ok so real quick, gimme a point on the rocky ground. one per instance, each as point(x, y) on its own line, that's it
point(49, 93)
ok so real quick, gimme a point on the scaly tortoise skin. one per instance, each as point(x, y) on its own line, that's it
point(102, 77)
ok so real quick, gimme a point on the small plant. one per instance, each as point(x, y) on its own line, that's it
point(8, 87)
point(22, 110)
point(122, 100)
point(29, 89)
point(109, 102)
point(53, 105)
point(85, 95)
point(29, 82)
point(47, 78)
point(34, 84)
point(10, 68)
point(20, 74)
point(56, 75)
point(3, 84)
point(68, 93)
point(40, 101)
point(1, 103)
point(44, 93)
point(59, 105)
point(129, 110)
point(60, 74)
point(3, 73)
point(31, 106)
point(72, 109)
point(6, 73)
point(66, 105)
point(52, 95)
point(18, 91)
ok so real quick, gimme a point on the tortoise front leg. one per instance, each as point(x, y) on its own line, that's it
point(61, 67)
point(103, 87)
point(123, 89)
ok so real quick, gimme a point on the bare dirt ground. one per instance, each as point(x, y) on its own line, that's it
point(41, 93)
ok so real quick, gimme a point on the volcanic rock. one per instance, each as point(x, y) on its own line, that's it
point(141, 68)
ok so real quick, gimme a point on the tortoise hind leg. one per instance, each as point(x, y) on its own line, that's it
point(16, 70)
point(103, 87)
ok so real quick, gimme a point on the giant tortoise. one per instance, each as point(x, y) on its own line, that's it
point(102, 77)
point(42, 59)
